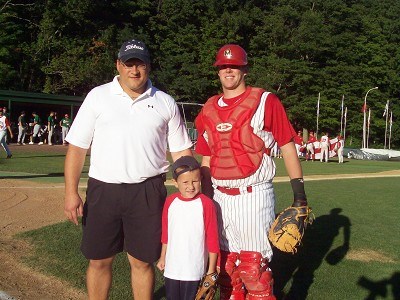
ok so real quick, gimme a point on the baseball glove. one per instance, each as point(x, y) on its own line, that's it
point(288, 228)
point(207, 287)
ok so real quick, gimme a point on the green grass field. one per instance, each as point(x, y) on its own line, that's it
point(365, 210)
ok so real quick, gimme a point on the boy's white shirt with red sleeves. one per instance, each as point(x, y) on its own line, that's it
point(189, 228)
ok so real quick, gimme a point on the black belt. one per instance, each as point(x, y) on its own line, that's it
point(163, 176)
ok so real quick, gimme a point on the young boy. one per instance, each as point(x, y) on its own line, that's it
point(189, 233)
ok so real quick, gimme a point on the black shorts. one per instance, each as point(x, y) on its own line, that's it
point(118, 217)
point(179, 289)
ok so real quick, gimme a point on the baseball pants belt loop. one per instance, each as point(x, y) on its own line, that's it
point(234, 191)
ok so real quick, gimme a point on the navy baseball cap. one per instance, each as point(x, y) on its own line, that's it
point(185, 164)
point(134, 49)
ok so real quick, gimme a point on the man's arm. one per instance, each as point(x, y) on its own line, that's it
point(295, 172)
point(9, 129)
point(74, 161)
point(176, 155)
point(292, 162)
point(161, 260)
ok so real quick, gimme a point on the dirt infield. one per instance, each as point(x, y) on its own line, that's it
point(26, 205)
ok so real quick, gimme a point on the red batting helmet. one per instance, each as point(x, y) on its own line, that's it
point(231, 55)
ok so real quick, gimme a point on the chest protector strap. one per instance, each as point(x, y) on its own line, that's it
point(236, 152)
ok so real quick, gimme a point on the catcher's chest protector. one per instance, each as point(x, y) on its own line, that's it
point(236, 152)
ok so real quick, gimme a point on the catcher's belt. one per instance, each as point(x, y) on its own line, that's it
point(233, 191)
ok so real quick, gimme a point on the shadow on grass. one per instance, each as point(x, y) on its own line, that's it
point(160, 293)
point(380, 288)
point(317, 243)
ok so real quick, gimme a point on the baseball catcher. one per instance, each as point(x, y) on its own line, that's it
point(288, 228)
point(207, 287)
point(236, 130)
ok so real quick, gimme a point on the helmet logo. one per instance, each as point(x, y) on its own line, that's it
point(223, 127)
point(228, 53)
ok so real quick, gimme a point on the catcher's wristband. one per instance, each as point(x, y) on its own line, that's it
point(299, 194)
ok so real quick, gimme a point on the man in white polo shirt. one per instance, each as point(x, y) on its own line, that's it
point(128, 125)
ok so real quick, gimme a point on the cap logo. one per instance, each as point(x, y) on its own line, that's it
point(223, 127)
point(228, 53)
point(129, 47)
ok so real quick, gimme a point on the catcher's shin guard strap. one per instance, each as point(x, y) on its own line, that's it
point(227, 261)
point(256, 276)
point(228, 290)
point(231, 286)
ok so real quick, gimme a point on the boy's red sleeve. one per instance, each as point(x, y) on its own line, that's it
point(210, 224)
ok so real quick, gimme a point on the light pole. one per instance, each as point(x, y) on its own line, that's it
point(364, 141)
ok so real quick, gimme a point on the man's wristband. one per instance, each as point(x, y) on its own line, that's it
point(299, 195)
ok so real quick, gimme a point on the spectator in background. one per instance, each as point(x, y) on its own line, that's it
point(310, 146)
point(324, 145)
point(7, 115)
point(42, 134)
point(65, 124)
point(57, 139)
point(22, 128)
point(276, 151)
point(340, 147)
point(4, 125)
point(50, 127)
point(36, 127)
point(298, 143)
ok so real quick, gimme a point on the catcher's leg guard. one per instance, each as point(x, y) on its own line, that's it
point(230, 284)
point(256, 276)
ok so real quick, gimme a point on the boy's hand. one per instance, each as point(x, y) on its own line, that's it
point(161, 264)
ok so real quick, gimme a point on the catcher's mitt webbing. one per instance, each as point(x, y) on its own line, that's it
point(288, 228)
point(207, 287)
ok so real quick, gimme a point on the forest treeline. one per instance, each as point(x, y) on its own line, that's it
point(297, 49)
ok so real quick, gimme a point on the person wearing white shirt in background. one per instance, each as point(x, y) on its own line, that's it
point(324, 145)
point(340, 147)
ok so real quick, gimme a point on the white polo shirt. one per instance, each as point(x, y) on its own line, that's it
point(128, 139)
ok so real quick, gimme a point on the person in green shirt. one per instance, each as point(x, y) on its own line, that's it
point(22, 128)
point(36, 127)
point(65, 124)
point(50, 127)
